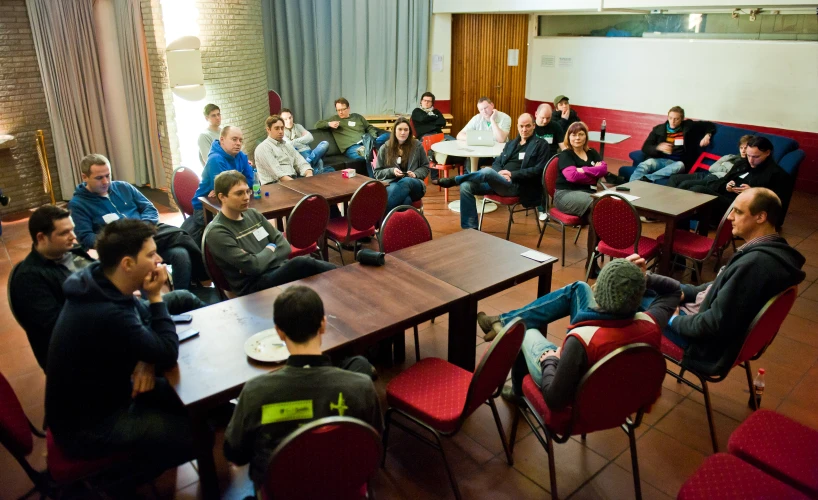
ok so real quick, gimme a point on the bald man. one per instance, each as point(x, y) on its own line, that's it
point(225, 154)
point(516, 172)
point(548, 130)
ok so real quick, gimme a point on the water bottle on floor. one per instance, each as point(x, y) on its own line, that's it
point(758, 389)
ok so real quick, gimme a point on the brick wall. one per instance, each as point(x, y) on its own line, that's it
point(235, 71)
point(22, 112)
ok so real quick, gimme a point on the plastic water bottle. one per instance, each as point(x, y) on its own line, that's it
point(256, 185)
point(758, 389)
point(602, 131)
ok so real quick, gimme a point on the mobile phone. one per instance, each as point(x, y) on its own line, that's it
point(187, 334)
point(181, 318)
point(622, 188)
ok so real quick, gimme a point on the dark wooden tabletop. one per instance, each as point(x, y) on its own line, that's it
point(664, 200)
point(473, 261)
point(331, 186)
point(279, 203)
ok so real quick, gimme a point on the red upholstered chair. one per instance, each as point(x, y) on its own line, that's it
point(625, 382)
point(553, 214)
point(403, 227)
point(428, 141)
point(725, 477)
point(306, 225)
point(779, 446)
point(439, 396)
point(699, 248)
point(760, 335)
point(213, 269)
point(619, 231)
point(16, 436)
point(332, 457)
point(512, 203)
point(365, 210)
point(183, 186)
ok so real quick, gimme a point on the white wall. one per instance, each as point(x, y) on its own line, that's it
point(440, 43)
point(765, 83)
point(708, 4)
point(513, 6)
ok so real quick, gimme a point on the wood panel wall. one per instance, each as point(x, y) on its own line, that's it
point(480, 44)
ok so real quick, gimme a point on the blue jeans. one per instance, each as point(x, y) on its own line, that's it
point(182, 266)
point(313, 156)
point(403, 192)
point(657, 168)
point(484, 181)
point(352, 151)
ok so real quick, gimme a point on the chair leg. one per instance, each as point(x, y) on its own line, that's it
point(591, 264)
point(510, 219)
point(637, 483)
point(514, 425)
point(482, 212)
point(753, 401)
point(417, 344)
point(698, 266)
point(501, 431)
point(576, 238)
point(552, 468)
point(563, 247)
point(709, 408)
point(542, 232)
point(448, 469)
point(387, 420)
point(340, 252)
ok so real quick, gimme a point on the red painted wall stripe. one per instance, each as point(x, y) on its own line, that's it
point(638, 125)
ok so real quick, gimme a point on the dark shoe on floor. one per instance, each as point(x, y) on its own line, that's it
point(508, 395)
point(435, 181)
point(446, 182)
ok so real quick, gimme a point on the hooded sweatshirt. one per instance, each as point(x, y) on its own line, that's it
point(219, 161)
point(99, 337)
point(123, 202)
point(754, 275)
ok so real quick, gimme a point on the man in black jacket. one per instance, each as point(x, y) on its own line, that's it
point(714, 318)
point(516, 172)
point(428, 120)
point(102, 395)
point(35, 288)
point(673, 147)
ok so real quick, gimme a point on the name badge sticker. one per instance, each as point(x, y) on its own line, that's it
point(522, 155)
point(351, 124)
point(108, 218)
point(549, 139)
point(284, 412)
point(679, 142)
point(745, 174)
point(261, 233)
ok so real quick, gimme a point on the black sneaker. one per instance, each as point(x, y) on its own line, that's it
point(509, 395)
point(446, 182)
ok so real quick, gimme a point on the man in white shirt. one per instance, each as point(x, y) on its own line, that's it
point(213, 115)
point(487, 119)
point(277, 160)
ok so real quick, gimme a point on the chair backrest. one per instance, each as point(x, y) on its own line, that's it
point(626, 381)
point(700, 162)
point(213, 269)
point(492, 371)
point(183, 186)
point(428, 140)
point(616, 222)
point(367, 206)
point(765, 325)
point(724, 233)
point(15, 429)
point(332, 457)
point(307, 221)
point(8, 291)
point(404, 226)
point(549, 176)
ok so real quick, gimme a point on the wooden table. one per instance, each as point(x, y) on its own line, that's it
point(362, 304)
point(331, 186)
point(277, 205)
point(480, 264)
point(473, 153)
point(668, 205)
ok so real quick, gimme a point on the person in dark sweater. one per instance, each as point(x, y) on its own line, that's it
point(402, 161)
point(714, 318)
point(274, 405)
point(673, 146)
point(602, 319)
point(348, 129)
point(548, 130)
point(719, 169)
point(516, 172)
point(580, 169)
point(102, 394)
point(36, 287)
point(756, 169)
point(567, 116)
point(427, 119)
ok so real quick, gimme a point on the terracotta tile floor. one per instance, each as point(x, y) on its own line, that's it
point(672, 441)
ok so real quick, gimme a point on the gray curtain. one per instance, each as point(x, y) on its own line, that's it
point(372, 52)
point(133, 54)
point(63, 35)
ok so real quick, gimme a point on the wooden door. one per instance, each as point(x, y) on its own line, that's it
point(480, 44)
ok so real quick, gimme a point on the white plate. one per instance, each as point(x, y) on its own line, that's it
point(266, 346)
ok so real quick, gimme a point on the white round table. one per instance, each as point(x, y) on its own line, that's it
point(474, 153)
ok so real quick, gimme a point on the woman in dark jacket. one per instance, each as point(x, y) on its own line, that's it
point(403, 161)
point(580, 169)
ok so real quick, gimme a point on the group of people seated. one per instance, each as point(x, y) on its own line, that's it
point(92, 295)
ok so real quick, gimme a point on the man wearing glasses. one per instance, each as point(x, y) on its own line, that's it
point(350, 131)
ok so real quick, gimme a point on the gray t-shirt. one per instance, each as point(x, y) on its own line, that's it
point(206, 139)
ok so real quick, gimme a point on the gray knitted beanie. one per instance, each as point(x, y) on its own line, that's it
point(620, 287)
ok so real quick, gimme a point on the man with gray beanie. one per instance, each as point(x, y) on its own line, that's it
point(602, 319)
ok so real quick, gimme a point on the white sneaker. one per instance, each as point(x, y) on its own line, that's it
point(543, 216)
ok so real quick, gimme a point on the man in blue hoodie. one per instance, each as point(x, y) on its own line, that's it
point(99, 201)
point(225, 154)
point(102, 393)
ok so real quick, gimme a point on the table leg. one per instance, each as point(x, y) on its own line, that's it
point(667, 248)
point(325, 249)
point(208, 478)
point(474, 166)
point(208, 216)
point(462, 315)
point(602, 150)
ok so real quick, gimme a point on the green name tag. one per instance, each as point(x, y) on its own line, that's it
point(284, 412)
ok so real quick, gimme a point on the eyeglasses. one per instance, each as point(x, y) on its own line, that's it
point(341, 109)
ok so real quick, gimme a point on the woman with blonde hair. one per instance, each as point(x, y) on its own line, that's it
point(580, 169)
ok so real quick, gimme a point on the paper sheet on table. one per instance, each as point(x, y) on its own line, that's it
point(627, 196)
point(538, 256)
